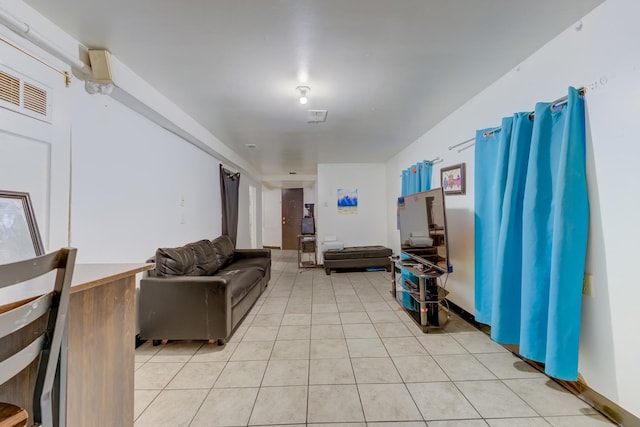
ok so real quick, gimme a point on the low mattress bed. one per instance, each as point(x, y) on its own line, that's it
point(357, 257)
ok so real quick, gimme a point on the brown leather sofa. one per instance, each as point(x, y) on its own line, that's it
point(201, 291)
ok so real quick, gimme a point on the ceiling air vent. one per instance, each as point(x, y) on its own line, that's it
point(9, 89)
point(24, 97)
point(317, 116)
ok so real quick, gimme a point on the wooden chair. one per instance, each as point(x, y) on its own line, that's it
point(46, 345)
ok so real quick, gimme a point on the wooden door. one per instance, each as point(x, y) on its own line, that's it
point(292, 210)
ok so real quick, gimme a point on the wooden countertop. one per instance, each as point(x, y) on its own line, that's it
point(85, 276)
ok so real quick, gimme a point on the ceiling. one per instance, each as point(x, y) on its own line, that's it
point(386, 71)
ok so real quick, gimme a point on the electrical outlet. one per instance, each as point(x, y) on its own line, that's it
point(587, 286)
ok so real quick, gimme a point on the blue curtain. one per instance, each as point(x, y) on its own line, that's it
point(505, 310)
point(417, 178)
point(405, 182)
point(491, 160)
point(425, 170)
point(555, 224)
point(532, 216)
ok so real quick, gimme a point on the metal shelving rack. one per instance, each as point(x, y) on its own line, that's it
point(307, 251)
point(429, 293)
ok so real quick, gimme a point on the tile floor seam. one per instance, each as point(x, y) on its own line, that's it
point(255, 402)
point(364, 415)
point(440, 366)
point(469, 401)
point(147, 406)
point(200, 406)
point(413, 399)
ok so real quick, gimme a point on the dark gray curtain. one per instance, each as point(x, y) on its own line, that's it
point(229, 186)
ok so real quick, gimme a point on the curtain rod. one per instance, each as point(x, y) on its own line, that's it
point(229, 170)
point(555, 104)
point(24, 30)
point(451, 147)
point(46, 64)
point(432, 161)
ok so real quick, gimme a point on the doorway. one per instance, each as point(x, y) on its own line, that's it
point(292, 210)
point(253, 217)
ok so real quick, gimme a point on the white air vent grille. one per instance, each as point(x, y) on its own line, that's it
point(317, 116)
point(35, 99)
point(24, 97)
point(9, 89)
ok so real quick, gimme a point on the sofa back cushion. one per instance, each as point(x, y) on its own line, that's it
point(224, 250)
point(206, 258)
point(175, 261)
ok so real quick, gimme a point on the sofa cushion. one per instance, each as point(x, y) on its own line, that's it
point(224, 247)
point(207, 262)
point(357, 252)
point(241, 281)
point(261, 263)
point(175, 261)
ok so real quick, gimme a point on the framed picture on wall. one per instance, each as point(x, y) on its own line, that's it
point(19, 235)
point(348, 201)
point(453, 179)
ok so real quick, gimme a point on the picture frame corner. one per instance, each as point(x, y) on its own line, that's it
point(30, 234)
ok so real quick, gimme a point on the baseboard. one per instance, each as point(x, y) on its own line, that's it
point(579, 388)
point(468, 317)
point(271, 247)
point(609, 409)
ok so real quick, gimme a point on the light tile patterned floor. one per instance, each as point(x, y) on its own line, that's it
point(336, 350)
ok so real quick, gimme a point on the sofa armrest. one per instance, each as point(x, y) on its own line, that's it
point(251, 253)
point(185, 307)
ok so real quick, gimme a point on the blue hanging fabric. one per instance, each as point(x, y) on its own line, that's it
point(505, 310)
point(425, 171)
point(405, 182)
point(555, 228)
point(491, 161)
point(417, 178)
point(413, 179)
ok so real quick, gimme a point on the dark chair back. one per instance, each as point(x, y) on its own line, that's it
point(46, 345)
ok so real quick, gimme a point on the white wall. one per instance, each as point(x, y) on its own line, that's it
point(137, 187)
point(310, 196)
point(130, 179)
point(133, 185)
point(244, 222)
point(271, 216)
point(367, 227)
point(602, 56)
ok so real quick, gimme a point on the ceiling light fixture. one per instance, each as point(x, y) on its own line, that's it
point(303, 90)
point(94, 87)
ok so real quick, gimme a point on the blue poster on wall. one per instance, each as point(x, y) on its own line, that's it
point(348, 201)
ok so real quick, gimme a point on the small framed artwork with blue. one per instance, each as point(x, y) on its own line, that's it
point(348, 201)
point(453, 179)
